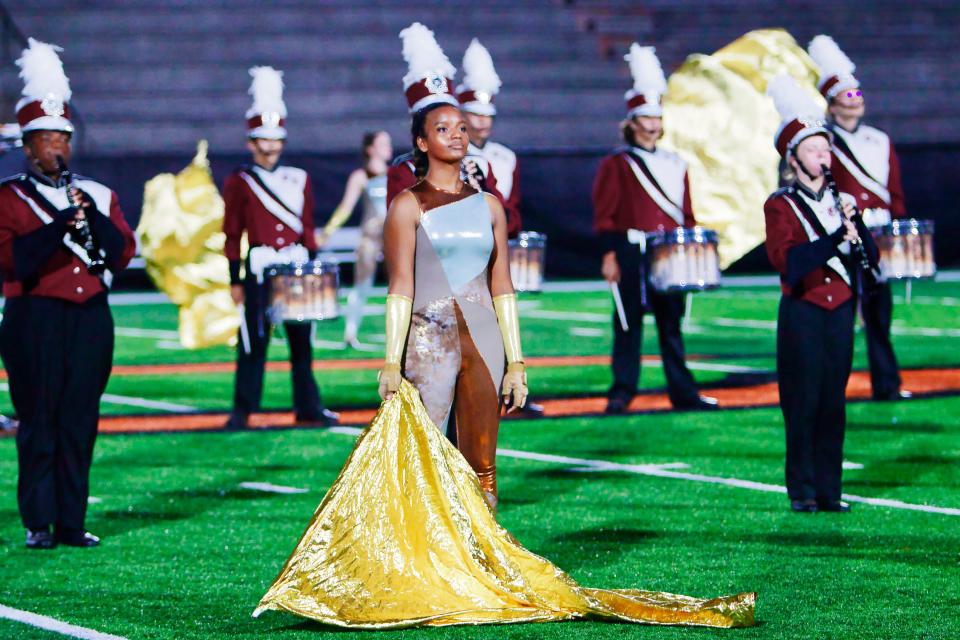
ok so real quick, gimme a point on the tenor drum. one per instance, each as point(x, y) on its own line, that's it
point(304, 292)
point(527, 255)
point(684, 260)
point(906, 249)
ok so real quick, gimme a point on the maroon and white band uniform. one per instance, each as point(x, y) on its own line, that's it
point(275, 208)
point(621, 203)
point(401, 175)
point(814, 334)
point(865, 165)
point(56, 338)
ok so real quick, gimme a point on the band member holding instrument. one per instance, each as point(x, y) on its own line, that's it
point(62, 238)
point(865, 166)
point(273, 204)
point(369, 186)
point(642, 187)
point(477, 94)
point(809, 242)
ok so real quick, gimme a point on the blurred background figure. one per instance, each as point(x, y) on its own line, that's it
point(369, 186)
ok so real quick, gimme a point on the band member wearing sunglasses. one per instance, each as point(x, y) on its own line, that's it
point(865, 165)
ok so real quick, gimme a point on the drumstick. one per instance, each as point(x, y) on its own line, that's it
point(244, 330)
point(618, 303)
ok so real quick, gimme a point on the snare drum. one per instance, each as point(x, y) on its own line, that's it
point(304, 292)
point(684, 259)
point(906, 249)
point(527, 255)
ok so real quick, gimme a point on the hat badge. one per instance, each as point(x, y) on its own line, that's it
point(270, 119)
point(52, 105)
point(483, 97)
point(436, 83)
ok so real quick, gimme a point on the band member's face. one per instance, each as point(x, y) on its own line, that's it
point(381, 147)
point(647, 129)
point(479, 127)
point(812, 152)
point(43, 147)
point(266, 152)
point(446, 133)
point(848, 104)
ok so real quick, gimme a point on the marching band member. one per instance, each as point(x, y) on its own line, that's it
point(62, 238)
point(642, 187)
point(808, 242)
point(402, 173)
point(476, 95)
point(866, 166)
point(369, 186)
point(273, 204)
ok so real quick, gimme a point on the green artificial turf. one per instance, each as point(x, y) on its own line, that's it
point(187, 553)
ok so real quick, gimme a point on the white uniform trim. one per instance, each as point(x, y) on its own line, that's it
point(270, 204)
point(872, 150)
point(834, 262)
point(665, 205)
point(58, 198)
point(504, 163)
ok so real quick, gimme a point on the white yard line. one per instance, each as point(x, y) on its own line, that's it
point(54, 625)
point(158, 334)
point(664, 471)
point(132, 401)
point(587, 332)
point(271, 488)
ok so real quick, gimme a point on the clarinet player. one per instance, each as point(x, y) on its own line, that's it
point(817, 244)
point(62, 237)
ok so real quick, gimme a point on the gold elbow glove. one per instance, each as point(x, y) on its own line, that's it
point(399, 310)
point(515, 380)
point(339, 217)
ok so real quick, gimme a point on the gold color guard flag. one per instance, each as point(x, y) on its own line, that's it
point(181, 239)
point(718, 117)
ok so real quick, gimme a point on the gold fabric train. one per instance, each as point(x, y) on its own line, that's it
point(404, 538)
point(717, 116)
point(181, 239)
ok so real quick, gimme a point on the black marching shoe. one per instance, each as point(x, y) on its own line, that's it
point(836, 506)
point(804, 506)
point(236, 422)
point(77, 538)
point(40, 539)
point(325, 418)
point(893, 396)
point(617, 405)
point(702, 403)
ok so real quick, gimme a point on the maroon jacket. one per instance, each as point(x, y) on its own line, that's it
point(820, 285)
point(620, 203)
point(245, 211)
point(54, 270)
point(865, 198)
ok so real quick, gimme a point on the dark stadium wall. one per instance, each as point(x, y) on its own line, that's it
point(556, 196)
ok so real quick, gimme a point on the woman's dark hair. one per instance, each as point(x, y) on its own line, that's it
point(418, 130)
point(368, 138)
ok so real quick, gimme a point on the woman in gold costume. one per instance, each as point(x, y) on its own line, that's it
point(407, 535)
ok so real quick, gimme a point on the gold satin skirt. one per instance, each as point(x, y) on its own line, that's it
point(405, 538)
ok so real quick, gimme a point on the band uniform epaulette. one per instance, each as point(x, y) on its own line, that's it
point(17, 177)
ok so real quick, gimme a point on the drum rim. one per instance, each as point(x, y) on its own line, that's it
point(683, 235)
point(901, 226)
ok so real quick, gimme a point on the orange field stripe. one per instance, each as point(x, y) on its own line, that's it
point(919, 381)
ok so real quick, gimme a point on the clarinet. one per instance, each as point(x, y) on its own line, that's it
point(82, 229)
point(868, 269)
